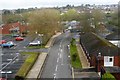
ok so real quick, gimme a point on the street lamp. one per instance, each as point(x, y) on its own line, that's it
point(41, 35)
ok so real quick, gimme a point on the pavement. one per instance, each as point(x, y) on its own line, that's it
point(36, 69)
point(87, 72)
point(51, 41)
point(83, 57)
point(58, 62)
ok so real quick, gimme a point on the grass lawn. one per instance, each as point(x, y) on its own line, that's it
point(75, 61)
point(35, 47)
point(27, 65)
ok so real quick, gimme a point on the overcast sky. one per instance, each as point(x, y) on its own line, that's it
point(15, 4)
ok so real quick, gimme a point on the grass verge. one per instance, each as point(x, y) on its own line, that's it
point(27, 65)
point(75, 61)
point(35, 47)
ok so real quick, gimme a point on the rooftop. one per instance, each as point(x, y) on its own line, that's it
point(95, 45)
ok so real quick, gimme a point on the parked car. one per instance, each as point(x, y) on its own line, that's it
point(15, 35)
point(2, 41)
point(19, 38)
point(35, 43)
point(8, 44)
point(3, 79)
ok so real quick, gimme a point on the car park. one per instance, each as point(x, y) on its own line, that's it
point(35, 43)
point(19, 38)
point(8, 44)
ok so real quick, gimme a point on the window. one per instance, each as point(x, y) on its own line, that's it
point(110, 59)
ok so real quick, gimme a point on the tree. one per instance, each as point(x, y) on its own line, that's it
point(44, 21)
point(98, 16)
point(85, 21)
point(70, 15)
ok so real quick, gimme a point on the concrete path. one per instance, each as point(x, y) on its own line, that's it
point(82, 56)
point(36, 69)
point(88, 75)
point(51, 41)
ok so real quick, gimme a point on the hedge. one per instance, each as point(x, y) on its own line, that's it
point(108, 76)
point(75, 61)
point(27, 65)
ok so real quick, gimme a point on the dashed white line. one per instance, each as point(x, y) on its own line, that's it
point(60, 46)
point(58, 54)
point(56, 68)
point(54, 77)
point(57, 60)
point(61, 50)
point(54, 74)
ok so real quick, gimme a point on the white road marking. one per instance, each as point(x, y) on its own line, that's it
point(58, 54)
point(20, 50)
point(57, 60)
point(2, 54)
point(56, 68)
point(54, 77)
point(61, 64)
point(9, 59)
point(54, 74)
point(61, 50)
point(60, 46)
point(69, 56)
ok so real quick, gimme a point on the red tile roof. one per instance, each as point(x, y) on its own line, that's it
point(5, 28)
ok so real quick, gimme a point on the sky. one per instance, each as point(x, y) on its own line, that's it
point(15, 4)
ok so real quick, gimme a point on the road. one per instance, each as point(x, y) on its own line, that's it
point(58, 62)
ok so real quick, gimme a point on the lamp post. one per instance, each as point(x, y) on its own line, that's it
point(41, 35)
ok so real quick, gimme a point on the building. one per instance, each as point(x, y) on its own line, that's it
point(13, 28)
point(101, 53)
point(114, 38)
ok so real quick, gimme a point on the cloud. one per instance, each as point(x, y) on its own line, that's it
point(14, 4)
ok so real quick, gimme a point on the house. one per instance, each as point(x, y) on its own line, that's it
point(114, 38)
point(12, 28)
point(101, 53)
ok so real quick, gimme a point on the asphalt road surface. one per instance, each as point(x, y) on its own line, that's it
point(58, 62)
point(11, 59)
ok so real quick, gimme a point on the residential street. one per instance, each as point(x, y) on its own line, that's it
point(58, 62)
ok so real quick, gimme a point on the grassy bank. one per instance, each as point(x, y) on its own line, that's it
point(75, 61)
point(27, 65)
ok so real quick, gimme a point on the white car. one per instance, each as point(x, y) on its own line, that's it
point(35, 43)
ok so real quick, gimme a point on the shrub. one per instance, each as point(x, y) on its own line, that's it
point(108, 76)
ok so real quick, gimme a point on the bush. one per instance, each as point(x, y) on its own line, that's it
point(75, 61)
point(108, 76)
point(27, 65)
